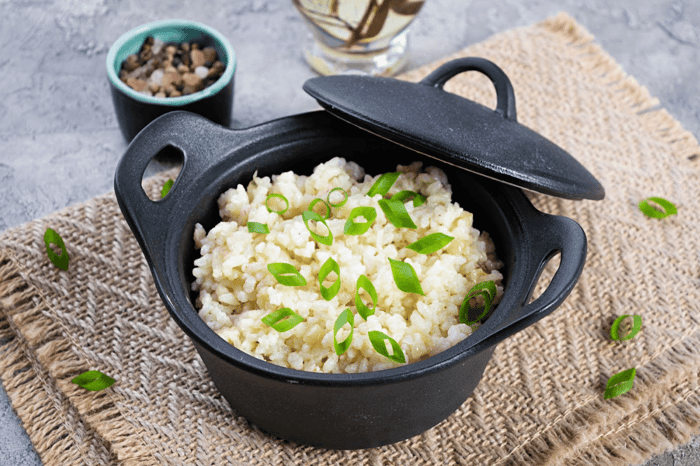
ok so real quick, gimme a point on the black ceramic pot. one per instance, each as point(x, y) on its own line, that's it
point(341, 411)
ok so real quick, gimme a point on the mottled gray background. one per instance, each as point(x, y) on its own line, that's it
point(59, 140)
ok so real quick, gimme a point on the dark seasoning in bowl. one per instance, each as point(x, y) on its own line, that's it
point(170, 69)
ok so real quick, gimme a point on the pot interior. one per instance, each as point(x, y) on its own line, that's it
point(478, 195)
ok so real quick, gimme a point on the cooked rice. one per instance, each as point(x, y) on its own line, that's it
point(236, 290)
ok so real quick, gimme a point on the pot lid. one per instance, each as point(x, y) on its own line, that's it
point(425, 118)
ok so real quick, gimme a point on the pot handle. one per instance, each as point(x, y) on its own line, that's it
point(552, 234)
point(505, 103)
point(192, 134)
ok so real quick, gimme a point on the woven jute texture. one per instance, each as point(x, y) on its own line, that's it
point(540, 401)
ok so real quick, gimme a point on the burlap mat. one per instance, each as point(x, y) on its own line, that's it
point(540, 401)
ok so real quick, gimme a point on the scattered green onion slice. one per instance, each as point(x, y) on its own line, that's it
point(286, 274)
point(488, 290)
point(316, 201)
point(60, 261)
point(281, 212)
point(616, 326)
point(309, 215)
point(339, 204)
point(329, 266)
point(352, 228)
point(345, 317)
point(430, 243)
point(405, 277)
point(93, 381)
point(283, 319)
point(418, 199)
point(377, 339)
point(383, 184)
point(166, 188)
point(396, 213)
point(619, 383)
point(651, 212)
point(365, 283)
point(255, 227)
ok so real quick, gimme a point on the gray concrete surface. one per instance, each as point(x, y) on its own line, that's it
point(59, 140)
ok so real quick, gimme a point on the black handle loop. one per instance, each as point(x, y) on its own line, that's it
point(556, 234)
point(197, 138)
point(505, 104)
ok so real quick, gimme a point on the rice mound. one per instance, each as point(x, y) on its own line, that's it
point(236, 290)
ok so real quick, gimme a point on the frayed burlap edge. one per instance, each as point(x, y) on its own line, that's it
point(33, 344)
point(54, 426)
point(564, 441)
point(48, 345)
point(637, 432)
point(656, 121)
point(654, 418)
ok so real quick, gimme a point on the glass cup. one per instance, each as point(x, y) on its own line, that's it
point(357, 36)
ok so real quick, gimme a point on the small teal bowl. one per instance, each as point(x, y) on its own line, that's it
point(135, 110)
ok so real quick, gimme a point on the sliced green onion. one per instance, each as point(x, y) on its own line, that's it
point(329, 266)
point(405, 277)
point(637, 324)
point(286, 274)
point(93, 381)
point(255, 227)
point(345, 317)
point(308, 215)
point(339, 204)
point(418, 199)
point(352, 228)
point(283, 319)
point(316, 201)
point(383, 184)
point(59, 260)
point(488, 290)
point(365, 283)
point(651, 212)
point(619, 383)
point(430, 243)
point(166, 188)
point(269, 196)
point(377, 339)
point(396, 213)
